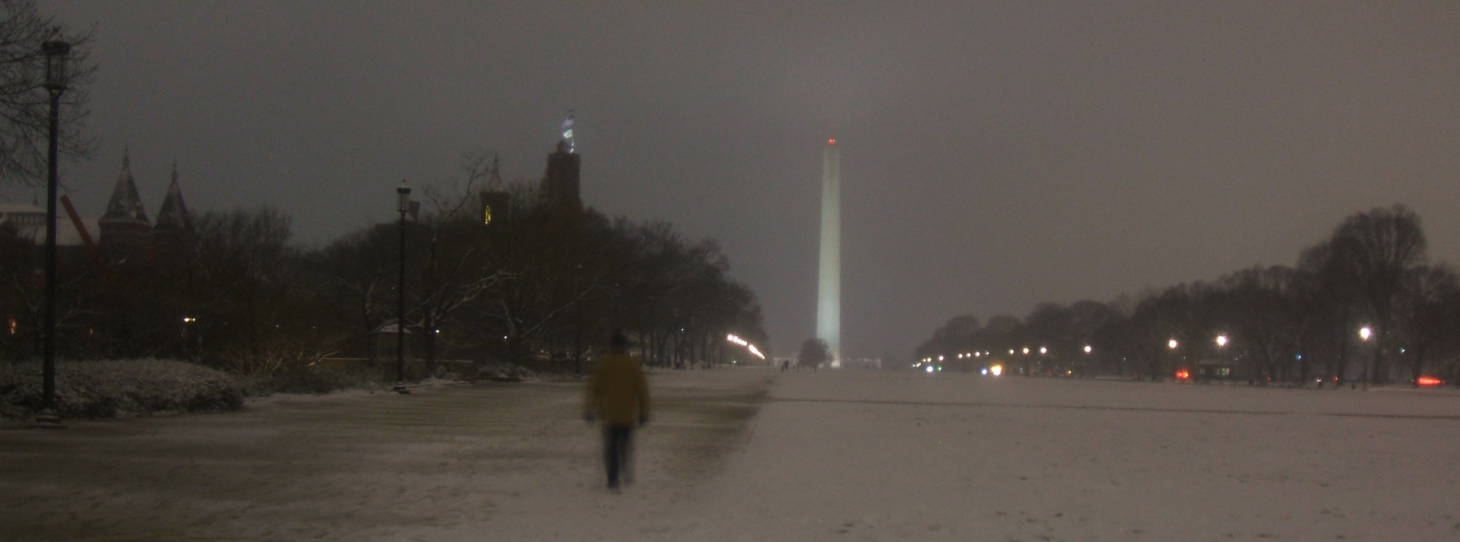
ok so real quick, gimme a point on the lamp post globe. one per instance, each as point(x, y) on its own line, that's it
point(57, 55)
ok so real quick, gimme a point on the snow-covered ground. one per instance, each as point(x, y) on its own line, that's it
point(873, 456)
point(748, 454)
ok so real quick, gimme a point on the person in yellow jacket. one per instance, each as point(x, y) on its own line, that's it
point(618, 393)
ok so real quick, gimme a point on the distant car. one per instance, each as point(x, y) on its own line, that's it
point(1428, 382)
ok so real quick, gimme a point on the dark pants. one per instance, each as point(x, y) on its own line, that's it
point(618, 444)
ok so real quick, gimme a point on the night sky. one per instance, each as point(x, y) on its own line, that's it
point(994, 155)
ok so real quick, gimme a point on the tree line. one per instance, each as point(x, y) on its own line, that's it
point(539, 283)
point(235, 291)
point(1363, 305)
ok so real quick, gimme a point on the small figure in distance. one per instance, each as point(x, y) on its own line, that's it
point(618, 393)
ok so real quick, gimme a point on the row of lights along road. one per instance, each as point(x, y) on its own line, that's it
point(1365, 334)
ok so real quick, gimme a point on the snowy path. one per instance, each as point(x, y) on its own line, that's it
point(455, 462)
point(744, 454)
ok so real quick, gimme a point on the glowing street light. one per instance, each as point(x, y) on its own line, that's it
point(1088, 349)
point(1365, 333)
point(736, 340)
point(1011, 351)
point(1043, 350)
point(1221, 340)
point(1026, 350)
point(1172, 344)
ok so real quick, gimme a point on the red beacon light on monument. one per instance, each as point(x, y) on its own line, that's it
point(830, 141)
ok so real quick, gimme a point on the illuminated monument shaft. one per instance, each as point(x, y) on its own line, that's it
point(829, 290)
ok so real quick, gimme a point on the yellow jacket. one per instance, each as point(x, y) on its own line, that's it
point(618, 391)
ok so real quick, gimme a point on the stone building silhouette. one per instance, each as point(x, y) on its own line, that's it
point(125, 228)
point(560, 182)
point(560, 187)
point(127, 231)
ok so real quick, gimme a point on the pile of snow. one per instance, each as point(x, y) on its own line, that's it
point(503, 372)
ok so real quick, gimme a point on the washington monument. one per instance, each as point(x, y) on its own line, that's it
point(829, 290)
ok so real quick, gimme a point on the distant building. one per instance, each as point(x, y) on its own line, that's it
point(560, 186)
point(29, 222)
point(496, 201)
point(24, 218)
point(125, 228)
point(174, 222)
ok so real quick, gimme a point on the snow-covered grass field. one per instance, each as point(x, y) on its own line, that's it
point(872, 456)
point(749, 454)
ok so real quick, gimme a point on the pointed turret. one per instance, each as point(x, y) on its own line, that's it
point(174, 215)
point(125, 225)
point(496, 201)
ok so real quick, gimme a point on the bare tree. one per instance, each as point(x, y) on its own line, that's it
point(814, 352)
point(1428, 314)
point(1262, 312)
point(1332, 308)
point(24, 102)
point(1375, 250)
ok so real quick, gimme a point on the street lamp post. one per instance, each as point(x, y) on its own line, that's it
point(404, 193)
point(56, 52)
point(1366, 333)
point(1171, 345)
point(578, 320)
